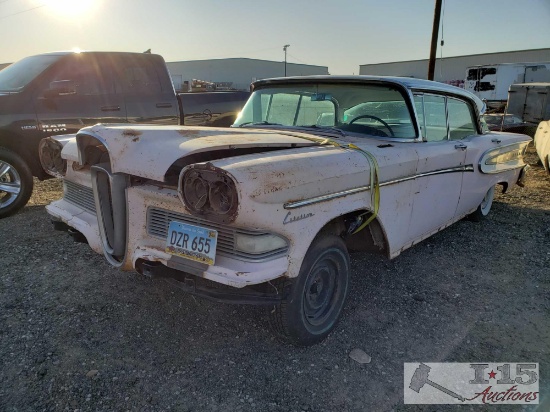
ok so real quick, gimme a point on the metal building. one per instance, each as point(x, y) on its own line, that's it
point(235, 73)
point(453, 69)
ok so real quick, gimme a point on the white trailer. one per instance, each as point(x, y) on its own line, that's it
point(492, 82)
point(530, 101)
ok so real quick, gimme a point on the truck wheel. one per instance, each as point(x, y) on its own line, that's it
point(315, 299)
point(484, 207)
point(15, 183)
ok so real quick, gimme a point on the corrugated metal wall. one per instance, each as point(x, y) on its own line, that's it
point(452, 68)
point(240, 71)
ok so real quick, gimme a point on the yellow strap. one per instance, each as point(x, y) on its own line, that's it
point(374, 174)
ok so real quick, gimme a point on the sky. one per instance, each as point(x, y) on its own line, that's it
point(340, 34)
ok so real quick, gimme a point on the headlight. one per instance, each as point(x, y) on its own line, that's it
point(258, 244)
point(208, 192)
point(50, 157)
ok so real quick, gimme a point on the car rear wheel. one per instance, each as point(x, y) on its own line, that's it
point(484, 207)
point(15, 183)
point(314, 301)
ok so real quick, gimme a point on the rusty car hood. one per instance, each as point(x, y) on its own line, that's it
point(279, 165)
point(149, 151)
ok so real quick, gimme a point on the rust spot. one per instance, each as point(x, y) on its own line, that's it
point(189, 132)
point(131, 133)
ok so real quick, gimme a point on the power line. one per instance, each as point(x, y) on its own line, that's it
point(295, 58)
point(23, 11)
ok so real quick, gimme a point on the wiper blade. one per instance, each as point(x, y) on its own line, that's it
point(327, 129)
point(263, 123)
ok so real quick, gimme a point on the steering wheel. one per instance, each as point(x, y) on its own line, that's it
point(368, 116)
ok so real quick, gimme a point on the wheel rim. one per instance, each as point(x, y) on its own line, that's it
point(10, 184)
point(487, 201)
point(320, 292)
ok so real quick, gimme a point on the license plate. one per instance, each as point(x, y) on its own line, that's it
point(192, 242)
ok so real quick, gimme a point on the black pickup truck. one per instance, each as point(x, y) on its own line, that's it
point(59, 93)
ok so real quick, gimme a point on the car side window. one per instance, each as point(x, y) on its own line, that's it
point(419, 106)
point(461, 121)
point(435, 118)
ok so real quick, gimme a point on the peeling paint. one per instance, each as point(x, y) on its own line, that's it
point(131, 133)
point(189, 132)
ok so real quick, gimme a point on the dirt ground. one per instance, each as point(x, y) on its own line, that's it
point(76, 334)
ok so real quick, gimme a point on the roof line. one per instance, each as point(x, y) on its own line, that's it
point(248, 58)
point(452, 57)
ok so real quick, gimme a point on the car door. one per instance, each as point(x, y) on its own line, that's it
point(148, 93)
point(78, 92)
point(464, 128)
point(439, 172)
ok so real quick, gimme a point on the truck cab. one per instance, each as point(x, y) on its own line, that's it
point(59, 93)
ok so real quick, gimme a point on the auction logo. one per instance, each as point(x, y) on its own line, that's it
point(471, 383)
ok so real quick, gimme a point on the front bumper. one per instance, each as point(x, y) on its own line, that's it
point(267, 295)
point(143, 247)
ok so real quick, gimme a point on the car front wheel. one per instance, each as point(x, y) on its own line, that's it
point(15, 183)
point(315, 299)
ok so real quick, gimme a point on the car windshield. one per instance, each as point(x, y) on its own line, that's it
point(368, 109)
point(17, 75)
point(493, 119)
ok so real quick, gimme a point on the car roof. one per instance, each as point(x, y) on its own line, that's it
point(405, 82)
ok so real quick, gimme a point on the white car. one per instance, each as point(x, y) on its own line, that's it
point(265, 212)
point(542, 143)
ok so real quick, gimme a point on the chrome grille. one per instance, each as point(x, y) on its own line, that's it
point(79, 195)
point(158, 221)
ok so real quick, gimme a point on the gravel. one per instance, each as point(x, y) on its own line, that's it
point(77, 334)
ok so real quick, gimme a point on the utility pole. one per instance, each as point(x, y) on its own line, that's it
point(435, 35)
point(286, 46)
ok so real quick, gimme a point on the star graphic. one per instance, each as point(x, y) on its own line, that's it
point(492, 374)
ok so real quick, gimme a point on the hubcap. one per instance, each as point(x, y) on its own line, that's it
point(10, 184)
point(320, 292)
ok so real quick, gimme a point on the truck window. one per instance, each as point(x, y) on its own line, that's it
point(86, 79)
point(18, 75)
point(137, 75)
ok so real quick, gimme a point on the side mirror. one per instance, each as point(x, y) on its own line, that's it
point(60, 88)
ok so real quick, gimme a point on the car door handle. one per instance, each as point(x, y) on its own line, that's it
point(164, 105)
point(495, 140)
point(110, 108)
point(461, 146)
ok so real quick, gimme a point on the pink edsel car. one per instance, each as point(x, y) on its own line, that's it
point(266, 211)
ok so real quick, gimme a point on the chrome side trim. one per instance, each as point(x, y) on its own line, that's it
point(319, 199)
point(467, 168)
